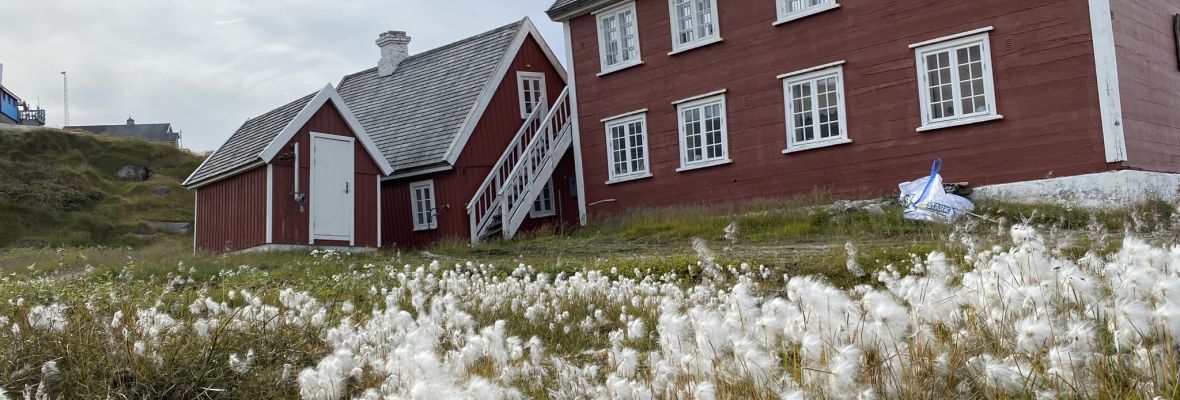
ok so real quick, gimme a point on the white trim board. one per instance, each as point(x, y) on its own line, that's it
point(579, 175)
point(489, 90)
point(270, 202)
point(1107, 69)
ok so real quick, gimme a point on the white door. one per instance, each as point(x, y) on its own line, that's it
point(332, 187)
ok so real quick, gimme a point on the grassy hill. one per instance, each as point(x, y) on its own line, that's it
point(60, 188)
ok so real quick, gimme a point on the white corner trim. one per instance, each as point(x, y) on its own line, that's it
point(699, 96)
point(817, 145)
point(270, 203)
point(812, 69)
point(579, 174)
point(1109, 94)
point(489, 90)
point(805, 14)
point(624, 115)
point(196, 216)
point(328, 93)
point(378, 212)
point(953, 37)
point(696, 45)
point(959, 122)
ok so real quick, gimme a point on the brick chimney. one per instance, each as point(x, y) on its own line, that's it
point(395, 47)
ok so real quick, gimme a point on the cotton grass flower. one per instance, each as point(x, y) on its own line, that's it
point(51, 318)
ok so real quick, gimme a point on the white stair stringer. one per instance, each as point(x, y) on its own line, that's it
point(520, 174)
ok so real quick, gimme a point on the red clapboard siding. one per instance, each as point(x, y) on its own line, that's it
point(231, 214)
point(453, 189)
point(291, 225)
point(1149, 79)
point(1043, 64)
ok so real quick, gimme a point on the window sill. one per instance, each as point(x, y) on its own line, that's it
point(704, 165)
point(546, 214)
point(959, 122)
point(627, 178)
point(696, 45)
point(417, 229)
point(618, 68)
point(817, 145)
point(805, 14)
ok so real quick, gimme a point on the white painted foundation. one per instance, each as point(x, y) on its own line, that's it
point(1101, 190)
point(305, 248)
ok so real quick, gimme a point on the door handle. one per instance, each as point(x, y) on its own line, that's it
point(345, 187)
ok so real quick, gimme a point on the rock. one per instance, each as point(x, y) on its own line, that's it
point(162, 191)
point(173, 227)
point(133, 173)
point(874, 209)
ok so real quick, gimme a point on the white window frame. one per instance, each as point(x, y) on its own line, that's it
point(811, 75)
point(784, 16)
point(617, 11)
point(673, 19)
point(416, 210)
point(543, 98)
point(951, 44)
point(549, 211)
point(624, 121)
point(699, 102)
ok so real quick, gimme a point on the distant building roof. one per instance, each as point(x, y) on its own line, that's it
point(416, 114)
point(152, 132)
point(245, 145)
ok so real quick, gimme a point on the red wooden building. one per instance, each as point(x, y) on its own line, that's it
point(699, 101)
point(466, 141)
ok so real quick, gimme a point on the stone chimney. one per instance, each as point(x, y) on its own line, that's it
point(395, 47)
point(130, 122)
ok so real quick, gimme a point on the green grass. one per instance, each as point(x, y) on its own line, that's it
point(59, 188)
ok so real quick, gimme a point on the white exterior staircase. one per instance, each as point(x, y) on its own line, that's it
point(503, 201)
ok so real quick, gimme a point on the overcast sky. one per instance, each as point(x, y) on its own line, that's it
point(208, 65)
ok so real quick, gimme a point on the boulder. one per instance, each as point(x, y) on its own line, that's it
point(133, 173)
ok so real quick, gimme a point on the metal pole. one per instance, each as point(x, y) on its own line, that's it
point(65, 87)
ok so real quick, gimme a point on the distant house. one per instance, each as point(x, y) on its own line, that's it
point(150, 132)
point(466, 141)
point(13, 111)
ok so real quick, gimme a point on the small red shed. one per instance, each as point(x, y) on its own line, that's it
point(304, 174)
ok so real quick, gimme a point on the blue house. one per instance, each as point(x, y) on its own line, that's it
point(13, 111)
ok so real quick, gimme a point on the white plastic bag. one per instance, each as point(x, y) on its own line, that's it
point(925, 200)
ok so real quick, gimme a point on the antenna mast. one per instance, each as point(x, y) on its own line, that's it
point(65, 87)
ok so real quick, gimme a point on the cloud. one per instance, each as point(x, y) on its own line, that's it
point(207, 66)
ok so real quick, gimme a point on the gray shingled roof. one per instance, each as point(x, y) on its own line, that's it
point(153, 132)
point(415, 114)
point(560, 8)
point(245, 146)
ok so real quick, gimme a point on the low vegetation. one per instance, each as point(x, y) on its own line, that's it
point(60, 188)
point(765, 301)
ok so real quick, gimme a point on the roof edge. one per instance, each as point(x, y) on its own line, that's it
point(565, 14)
point(328, 93)
point(222, 176)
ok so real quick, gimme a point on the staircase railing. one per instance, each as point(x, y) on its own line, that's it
point(541, 126)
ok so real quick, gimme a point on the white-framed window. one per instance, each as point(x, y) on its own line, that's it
point(815, 108)
point(626, 147)
point(545, 205)
point(703, 133)
point(955, 81)
point(694, 23)
point(422, 204)
point(618, 37)
point(790, 10)
point(531, 86)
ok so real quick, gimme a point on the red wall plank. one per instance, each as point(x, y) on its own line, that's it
point(231, 214)
point(1149, 79)
point(1045, 80)
point(496, 127)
